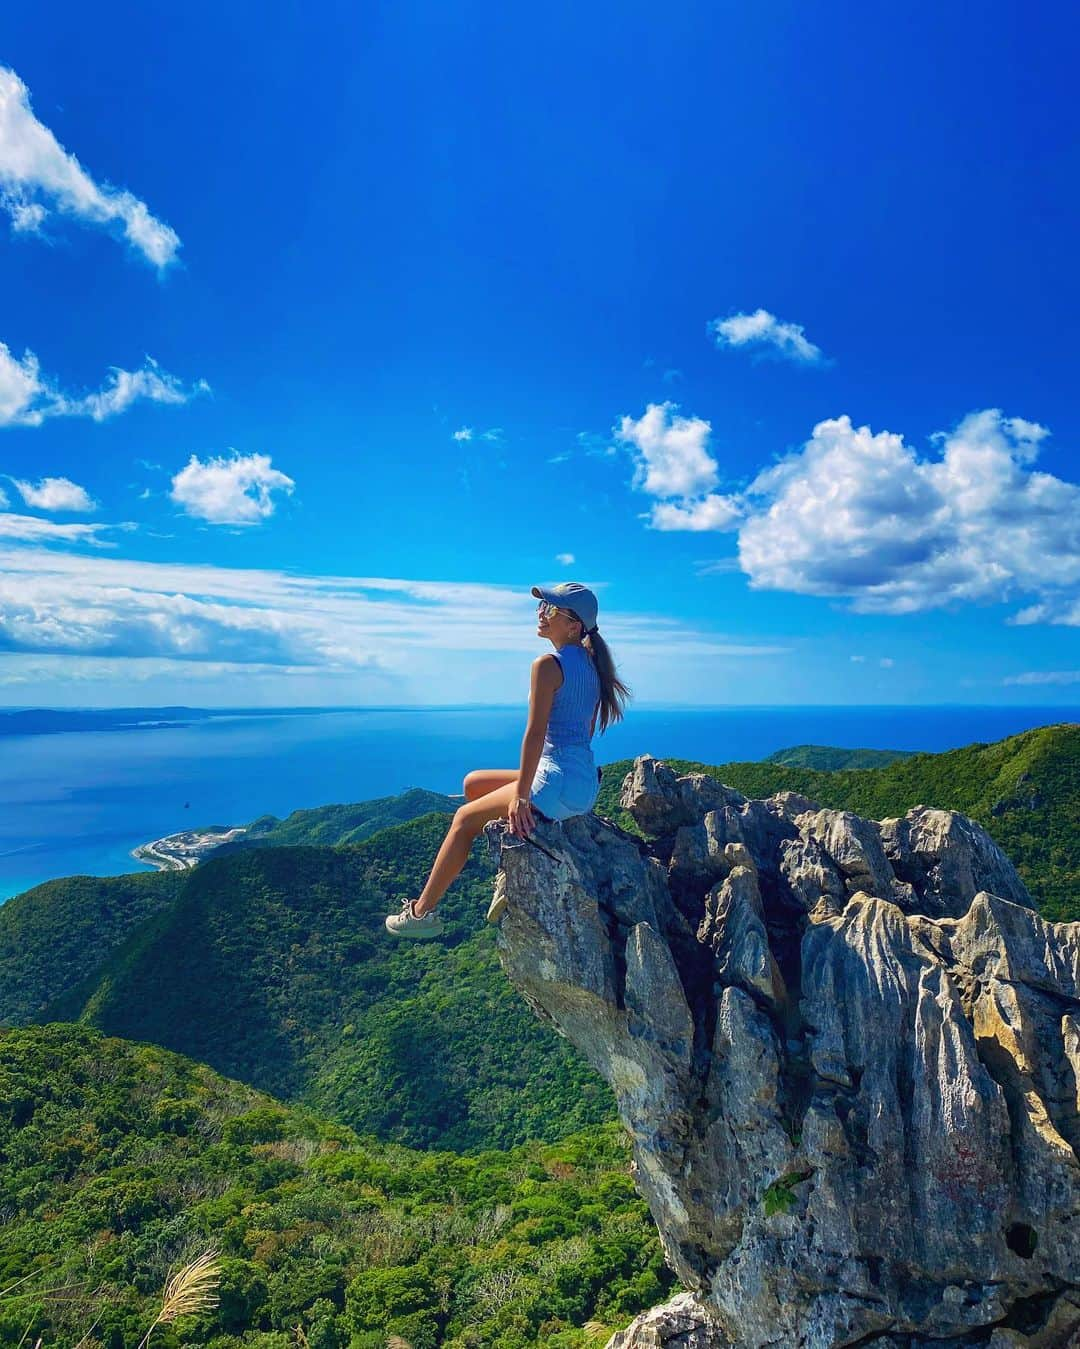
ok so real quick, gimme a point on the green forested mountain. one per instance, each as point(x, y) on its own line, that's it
point(1024, 791)
point(273, 966)
point(331, 826)
point(120, 1162)
point(62, 931)
point(58, 933)
point(831, 759)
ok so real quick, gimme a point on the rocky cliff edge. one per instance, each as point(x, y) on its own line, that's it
point(847, 1052)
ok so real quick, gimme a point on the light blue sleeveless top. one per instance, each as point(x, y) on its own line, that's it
point(574, 702)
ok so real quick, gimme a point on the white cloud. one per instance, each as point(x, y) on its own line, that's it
point(764, 330)
point(565, 559)
point(860, 515)
point(26, 217)
point(886, 662)
point(38, 175)
point(493, 434)
point(672, 452)
point(32, 529)
point(92, 606)
point(236, 491)
point(125, 386)
point(27, 397)
point(715, 566)
point(858, 658)
point(21, 386)
point(1061, 611)
point(1024, 437)
point(1044, 677)
point(673, 461)
point(60, 671)
point(55, 494)
point(712, 512)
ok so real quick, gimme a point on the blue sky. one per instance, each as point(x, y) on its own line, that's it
point(329, 333)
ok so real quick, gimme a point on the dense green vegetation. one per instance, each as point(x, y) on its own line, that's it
point(60, 932)
point(119, 1161)
point(831, 759)
point(57, 934)
point(1024, 791)
point(332, 826)
point(273, 966)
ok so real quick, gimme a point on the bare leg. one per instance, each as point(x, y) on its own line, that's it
point(483, 780)
point(469, 820)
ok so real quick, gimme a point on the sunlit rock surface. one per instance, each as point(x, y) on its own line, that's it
point(847, 1053)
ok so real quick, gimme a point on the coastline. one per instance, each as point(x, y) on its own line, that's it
point(181, 852)
point(120, 790)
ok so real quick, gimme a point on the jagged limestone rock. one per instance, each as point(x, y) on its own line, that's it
point(734, 927)
point(847, 1054)
point(682, 1323)
point(947, 858)
point(662, 801)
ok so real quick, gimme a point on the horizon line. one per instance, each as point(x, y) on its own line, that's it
point(10, 708)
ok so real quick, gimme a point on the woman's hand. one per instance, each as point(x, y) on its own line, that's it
point(520, 816)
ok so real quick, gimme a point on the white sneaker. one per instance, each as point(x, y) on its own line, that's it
point(406, 923)
point(497, 907)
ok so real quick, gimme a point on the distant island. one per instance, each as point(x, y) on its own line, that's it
point(46, 721)
point(53, 721)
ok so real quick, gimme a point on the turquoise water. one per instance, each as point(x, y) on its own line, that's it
point(79, 802)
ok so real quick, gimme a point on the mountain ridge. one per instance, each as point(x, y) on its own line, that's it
point(367, 1019)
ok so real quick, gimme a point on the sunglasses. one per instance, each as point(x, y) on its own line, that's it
point(546, 610)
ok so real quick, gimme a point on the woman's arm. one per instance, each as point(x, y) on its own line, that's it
point(547, 676)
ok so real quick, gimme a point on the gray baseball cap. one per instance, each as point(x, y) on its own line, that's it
point(571, 595)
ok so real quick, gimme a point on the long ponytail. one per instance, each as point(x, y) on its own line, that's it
point(614, 694)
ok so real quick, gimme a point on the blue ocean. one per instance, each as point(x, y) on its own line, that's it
point(78, 802)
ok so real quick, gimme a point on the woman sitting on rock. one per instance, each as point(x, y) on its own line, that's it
point(557, 776)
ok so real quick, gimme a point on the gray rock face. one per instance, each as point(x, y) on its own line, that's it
point(847, 1054)
point(682, 1323)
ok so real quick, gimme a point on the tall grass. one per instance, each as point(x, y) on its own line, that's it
point(193, 1288)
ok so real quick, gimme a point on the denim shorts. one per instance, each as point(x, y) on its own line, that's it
point(565, 785)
